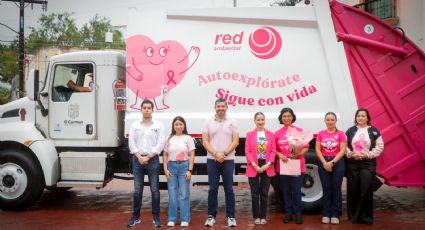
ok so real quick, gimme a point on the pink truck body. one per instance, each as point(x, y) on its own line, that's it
point(388, 74)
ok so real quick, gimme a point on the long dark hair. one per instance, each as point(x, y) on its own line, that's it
point(285, 110)
point(173, 132)
point(333, 114)
point(367, 115)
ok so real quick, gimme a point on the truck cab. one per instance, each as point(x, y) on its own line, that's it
point(63, 135)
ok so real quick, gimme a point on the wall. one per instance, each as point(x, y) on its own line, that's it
point(412, 20)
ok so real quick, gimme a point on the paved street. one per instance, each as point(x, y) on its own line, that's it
point(110, 208)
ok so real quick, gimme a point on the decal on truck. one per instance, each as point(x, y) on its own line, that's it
point(265, 42)
point(153, 69)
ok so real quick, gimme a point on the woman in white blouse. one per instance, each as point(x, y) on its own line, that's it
point(178, 160)
point(365, 144)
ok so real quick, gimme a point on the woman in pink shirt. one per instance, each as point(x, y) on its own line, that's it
point(178, 160)
point(289, 185)
point(331, 145)
point(260, 151)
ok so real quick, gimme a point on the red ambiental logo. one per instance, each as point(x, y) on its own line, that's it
point(228, 42)
point(265, 42)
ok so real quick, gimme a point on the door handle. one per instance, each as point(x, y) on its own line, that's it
point(89, 129)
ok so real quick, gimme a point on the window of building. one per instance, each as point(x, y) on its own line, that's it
point(384, 9)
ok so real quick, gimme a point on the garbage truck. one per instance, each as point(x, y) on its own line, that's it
point(324, 57)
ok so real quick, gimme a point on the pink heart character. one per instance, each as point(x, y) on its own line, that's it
point(153, 69)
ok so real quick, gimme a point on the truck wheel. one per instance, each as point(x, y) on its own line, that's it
point(311, 189)
point(21, 180)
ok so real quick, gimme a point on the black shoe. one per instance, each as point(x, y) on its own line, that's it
point(355, 220)
point(287, 219)
point(156, 223)
point(298, 219)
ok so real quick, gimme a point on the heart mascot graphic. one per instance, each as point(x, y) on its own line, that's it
point(155, 69)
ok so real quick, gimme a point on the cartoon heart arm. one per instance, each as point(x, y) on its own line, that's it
point(192, 55)
point(134, 72)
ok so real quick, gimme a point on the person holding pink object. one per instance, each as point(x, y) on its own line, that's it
point(260, 152)
point(365, 144)
point(331, 145)
point(178, 160)
point(290, 185)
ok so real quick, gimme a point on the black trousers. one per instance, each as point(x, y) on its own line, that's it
point(360, 176)
point(259, 192)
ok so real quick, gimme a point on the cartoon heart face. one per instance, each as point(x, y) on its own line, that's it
point(151, 66)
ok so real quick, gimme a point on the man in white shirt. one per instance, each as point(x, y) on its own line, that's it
point(146, 141)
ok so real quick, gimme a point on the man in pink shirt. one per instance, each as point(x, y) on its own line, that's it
point(220, 137)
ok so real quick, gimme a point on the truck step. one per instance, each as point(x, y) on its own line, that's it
point(85, 184)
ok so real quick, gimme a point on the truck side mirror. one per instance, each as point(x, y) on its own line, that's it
point(32, 85)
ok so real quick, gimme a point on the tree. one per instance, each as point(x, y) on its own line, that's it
point(93, 34)
point(286, 2)
point(8, 62)
point(5, 95)
point(61, 30)
point(55, 29)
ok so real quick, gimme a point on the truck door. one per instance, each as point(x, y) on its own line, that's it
point(72, 104)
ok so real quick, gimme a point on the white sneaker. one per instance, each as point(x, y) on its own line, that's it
point(171, 224)
point(210, 221)
point(231, 222)
point(184, 224)
point(334, 220)
point(326, 220)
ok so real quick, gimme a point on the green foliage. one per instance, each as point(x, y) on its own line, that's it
point(61, 30)
point(286, 2)
point(5, 95)
point(57, 29)
point(93, 34)
point(8, 62)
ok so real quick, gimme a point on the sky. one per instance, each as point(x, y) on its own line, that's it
point(84, 10)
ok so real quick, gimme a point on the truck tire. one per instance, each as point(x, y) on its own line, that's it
point(311, 190)
point(21, 180)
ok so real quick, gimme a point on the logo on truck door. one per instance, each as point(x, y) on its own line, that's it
point(156, 68)
point(73, 111)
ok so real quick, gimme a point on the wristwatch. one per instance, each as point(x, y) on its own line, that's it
point(190, 170)
point(225, 153)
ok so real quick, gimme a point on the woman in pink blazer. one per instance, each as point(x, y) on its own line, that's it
point(260, 151)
